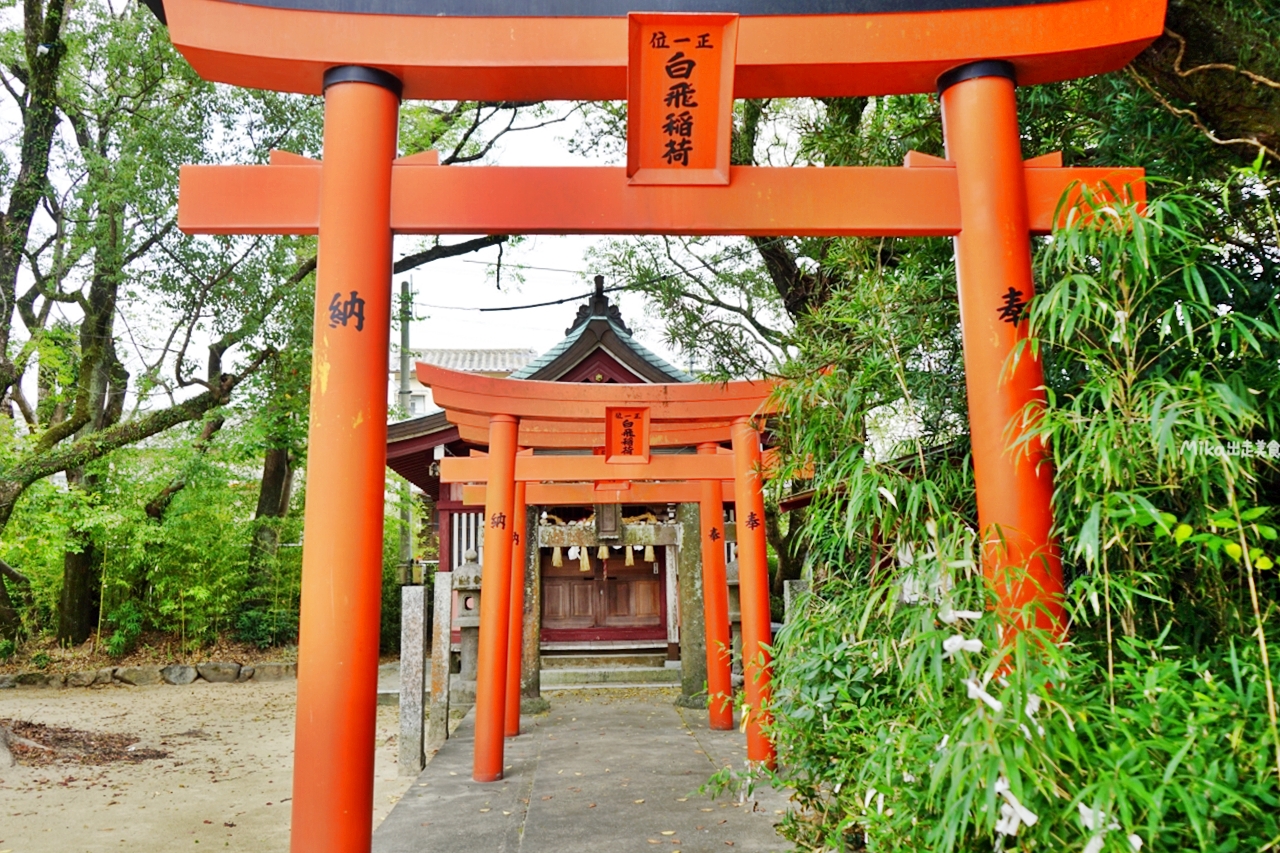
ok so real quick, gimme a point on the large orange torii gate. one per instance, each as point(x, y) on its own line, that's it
point(680, 70)
point(624, 425)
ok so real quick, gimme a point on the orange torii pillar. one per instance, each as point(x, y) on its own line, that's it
point(515, 628)
point(495, 602)
point(753, 589)
point(346, 469)
point(715, 602)
point(1021, 560)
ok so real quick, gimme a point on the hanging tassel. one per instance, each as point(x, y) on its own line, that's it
point(602, 553)
point(649, 556)
point(584, 560)
point(557, 557)
point(630, 556)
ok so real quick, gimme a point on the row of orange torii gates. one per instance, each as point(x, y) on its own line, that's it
point(680, 72)
point(515, 418)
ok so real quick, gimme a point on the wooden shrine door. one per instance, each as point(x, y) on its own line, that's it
point(611, 601)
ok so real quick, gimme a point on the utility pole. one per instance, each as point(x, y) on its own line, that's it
point(406, 400)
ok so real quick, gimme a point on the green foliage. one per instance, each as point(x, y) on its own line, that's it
point(126, 620)
point(389, 634)
point(895, 754)
point(904, 721)
point(40, 660)
point(188, 574)
point(267, 627)
point(8, 648)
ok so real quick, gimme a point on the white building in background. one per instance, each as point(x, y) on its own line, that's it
point(482, 362)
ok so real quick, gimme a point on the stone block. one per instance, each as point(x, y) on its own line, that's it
point(140, 676)
point(791, 592)
point(106, 675)
point(219, 673)
point(81, 679)
point(412, 674)
point(275, 671)
point(8, 682)
point(178, 673)
point(441, 620)
point(246, 673)
point(31, 679)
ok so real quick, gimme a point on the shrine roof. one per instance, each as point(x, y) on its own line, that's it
point(599, 326)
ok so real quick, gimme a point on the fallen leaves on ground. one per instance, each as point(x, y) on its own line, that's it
point(74, 746)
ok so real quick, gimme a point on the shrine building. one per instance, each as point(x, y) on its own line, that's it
point(605, 579)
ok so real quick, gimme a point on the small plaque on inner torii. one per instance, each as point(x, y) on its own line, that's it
point(627, 436)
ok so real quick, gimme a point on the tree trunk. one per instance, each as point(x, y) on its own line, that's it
point(273, 503)
point(81, 592)
point(10, 618)
point(81, 576)
point(784, 546)
point(10, 621)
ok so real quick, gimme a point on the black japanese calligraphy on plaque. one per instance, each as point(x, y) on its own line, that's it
point(714, 535)
point(515, 536)
point(704, 42)
point(658, 40)
point(753, 521)
point(680, 96)
point(343, 311)
point(679, 66)
point(1012, 306)
point(679, 124)
point(628, 437)
point(678, 151)
point(498, 521)
point(679, 127)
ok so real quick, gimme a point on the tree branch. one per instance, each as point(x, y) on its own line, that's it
point(436, 253)
point(1213, 66)
point(94, 446)
point(28, 414)
point(1195, 120)
point(157, 506)
point(13, 574)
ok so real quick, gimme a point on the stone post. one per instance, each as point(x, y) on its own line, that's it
point(693, 635)
point(791, 592)
point(531, 701)
point(442, 625)
point(467, 584)
point(413, 658)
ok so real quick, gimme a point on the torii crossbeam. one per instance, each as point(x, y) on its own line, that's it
point(363, 55)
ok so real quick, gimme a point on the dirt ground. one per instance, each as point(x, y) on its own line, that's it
point(225, 783)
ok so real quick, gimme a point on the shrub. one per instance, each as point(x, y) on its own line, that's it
point(903, 726)
point(127, 622)
point(267, 627)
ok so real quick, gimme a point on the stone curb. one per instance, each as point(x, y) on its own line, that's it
point(140, 676)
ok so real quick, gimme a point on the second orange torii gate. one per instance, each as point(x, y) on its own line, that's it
point(623, 424)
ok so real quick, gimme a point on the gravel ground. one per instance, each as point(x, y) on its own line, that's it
point(223, 784)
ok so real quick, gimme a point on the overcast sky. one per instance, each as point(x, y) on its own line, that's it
point(552, 268)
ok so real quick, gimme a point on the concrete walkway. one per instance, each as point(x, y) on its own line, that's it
point(602, 771)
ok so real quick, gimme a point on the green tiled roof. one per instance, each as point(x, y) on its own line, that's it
point(548, 357)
